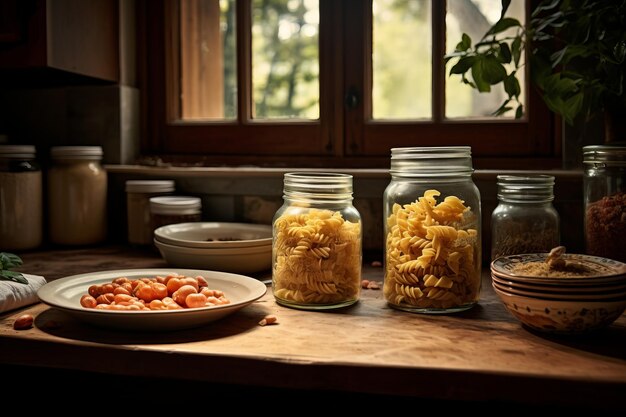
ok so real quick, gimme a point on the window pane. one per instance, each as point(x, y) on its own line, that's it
point(475, 17)
point(401, 59)
point(285, 59)
point(208, 59)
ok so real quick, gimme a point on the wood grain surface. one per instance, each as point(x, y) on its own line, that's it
point(482, 354)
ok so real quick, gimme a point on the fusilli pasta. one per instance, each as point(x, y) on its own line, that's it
point(432, 254)
point(317, 258)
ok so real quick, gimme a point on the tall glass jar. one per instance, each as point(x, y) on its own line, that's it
point(525, 221)
point(20, 198)
point(77, 196)
point(605, 201)
point(316, 253)
point(138, 195)
point(433, 231)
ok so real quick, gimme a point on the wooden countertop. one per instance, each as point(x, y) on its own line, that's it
point(479, 355)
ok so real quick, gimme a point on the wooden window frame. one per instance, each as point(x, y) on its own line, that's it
point(342, 137)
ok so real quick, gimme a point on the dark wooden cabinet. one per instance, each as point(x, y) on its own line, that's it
point(60, 38)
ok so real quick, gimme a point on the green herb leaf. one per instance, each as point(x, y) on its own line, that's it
point(519, 113)
point(516, 47)
point(13, 276)
point(511, 86)
point(9, 260)
point(505, 7)
point(465, 44)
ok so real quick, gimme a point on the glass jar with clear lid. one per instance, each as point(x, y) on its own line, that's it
point(316, 252)
point(432, 231)
point(20, 198)
point(525, 221)
point(605, 201)
point(138, 195)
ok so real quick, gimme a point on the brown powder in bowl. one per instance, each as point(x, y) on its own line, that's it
point(542, 269)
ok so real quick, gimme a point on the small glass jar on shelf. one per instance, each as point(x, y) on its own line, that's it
point(433, 231)
point(604, 185)
point(525, 221)
point(316, 252)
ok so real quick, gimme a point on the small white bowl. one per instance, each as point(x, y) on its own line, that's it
point(214, 235)
point(562, 316)
point(236, 260)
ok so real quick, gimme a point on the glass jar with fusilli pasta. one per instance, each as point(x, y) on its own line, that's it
point(432, 231)
point(316, 254)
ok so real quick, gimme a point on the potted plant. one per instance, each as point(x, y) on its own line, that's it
point(577, 58)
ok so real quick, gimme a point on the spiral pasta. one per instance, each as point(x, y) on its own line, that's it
point(432, 254)
point(317, 258)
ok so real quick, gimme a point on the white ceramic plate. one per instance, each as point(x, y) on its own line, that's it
point(199, 235)
point(236, 260)
point(65, 293)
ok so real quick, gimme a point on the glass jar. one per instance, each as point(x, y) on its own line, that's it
point(525, 221)
point(138, 194)
point(433, 231)
point(20, 198)
point(77, 196)
point(316, 251)
point(174, 209)
point(605, 201)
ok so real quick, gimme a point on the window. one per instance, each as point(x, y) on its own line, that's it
point(324, 83)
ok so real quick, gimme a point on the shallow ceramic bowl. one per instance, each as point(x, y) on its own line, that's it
point(215, 235)
point(605, 271)
point(560, 289)
point(551, 295)
point(237, 260)
point(562, 316)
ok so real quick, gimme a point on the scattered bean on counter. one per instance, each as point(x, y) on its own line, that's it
point(23, 322)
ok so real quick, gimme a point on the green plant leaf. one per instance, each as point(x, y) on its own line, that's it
point(9, 260)
point(505, 7)
point(13, 276)
point(493, 72)
point(519, 113)
point(512, 86)
point(465, 44)
point(572, 106)
point(516, 47)
point(463, 65)
point(502, 25)
point(556, 57)
point(545, 5)
point(477, 75)
point(504, 54)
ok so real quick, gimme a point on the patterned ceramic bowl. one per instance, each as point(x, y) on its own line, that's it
point(562, 316)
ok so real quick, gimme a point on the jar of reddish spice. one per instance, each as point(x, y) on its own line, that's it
point(605, 201)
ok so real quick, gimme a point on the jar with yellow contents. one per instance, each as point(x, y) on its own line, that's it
point(316, 253)
point(432, 231)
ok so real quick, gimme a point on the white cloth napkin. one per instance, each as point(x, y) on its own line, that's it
point(14, 295)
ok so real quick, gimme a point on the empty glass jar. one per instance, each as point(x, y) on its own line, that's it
point(525, 221)
point(432, 231)
point(316, 252)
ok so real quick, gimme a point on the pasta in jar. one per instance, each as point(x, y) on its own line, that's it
point(316, 250)
point(432, 254)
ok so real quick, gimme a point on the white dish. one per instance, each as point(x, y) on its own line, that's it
point(65, 293)
point(237, 260)
point(197, 235)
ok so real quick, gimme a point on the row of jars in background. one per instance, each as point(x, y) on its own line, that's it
point(150, 204)
point(76, 197)
point(432, 215)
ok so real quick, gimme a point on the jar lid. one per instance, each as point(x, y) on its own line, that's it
point(525, 189)
point(17, 151)
point(149, 186)
point(431, 161)
point(604, 153)
point(175, 205)
point(76, 152)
